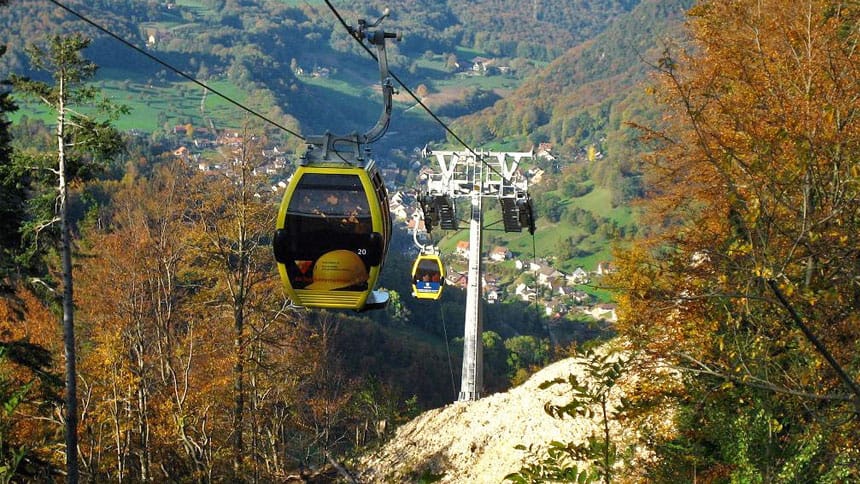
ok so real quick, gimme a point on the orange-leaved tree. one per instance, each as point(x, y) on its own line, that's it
point(29, 386)
point(231, 217)
point(747, 278)
point(143, 368)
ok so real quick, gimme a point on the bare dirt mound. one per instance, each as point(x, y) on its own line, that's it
point(475, 442)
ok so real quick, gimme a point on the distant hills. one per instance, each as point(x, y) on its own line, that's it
point(535, 29)
point(256, 43)
point(585, 95)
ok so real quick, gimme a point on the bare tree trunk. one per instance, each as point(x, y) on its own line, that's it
point(239, 394)
point(142, 391)
point(71, 416)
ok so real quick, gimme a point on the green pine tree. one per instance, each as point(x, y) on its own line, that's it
point(83, 144)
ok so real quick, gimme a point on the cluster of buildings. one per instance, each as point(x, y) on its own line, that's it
point(199, 139)
point(553, 289)
point(559, 293)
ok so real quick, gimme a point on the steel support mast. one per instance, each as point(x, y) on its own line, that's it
point(476, 176)
point(472, 382)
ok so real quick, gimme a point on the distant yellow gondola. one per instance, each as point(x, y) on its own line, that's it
point(332, 235)
point(428, 277)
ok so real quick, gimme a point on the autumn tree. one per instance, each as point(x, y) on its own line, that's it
point(188, 344)
point(82, 142)
point(232, 215)
point(142, 369)
point(747, 280)
point(29, 386)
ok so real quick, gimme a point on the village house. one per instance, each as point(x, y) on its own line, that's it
point(605, 267)
point(525, 293)
point(456, 279)
point(400, 211)
point(272, 153)
point(544, 151)
point(559, 286)
point(155, 36)
point(489, 281)
point(481, 64)
point(580, 297)
point(268, 169)
point(500, 254)
point(547, 274)
point(231, 139)
point(462, 248)
point(207, 166)
point(579, 276)
point(555, 308)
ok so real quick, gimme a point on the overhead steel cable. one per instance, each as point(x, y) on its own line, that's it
point(354, 35)
point(177, 71)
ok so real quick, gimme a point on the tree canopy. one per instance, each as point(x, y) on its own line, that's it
point(747, 279)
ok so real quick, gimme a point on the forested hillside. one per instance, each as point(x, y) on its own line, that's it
point(188, 357)
point(257, 45)
point(145, 334)
point(586, 97)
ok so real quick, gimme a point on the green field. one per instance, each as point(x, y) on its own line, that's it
point(297, 3)
point(435, 64)
point(153, 106)
point(484, 82)
point(198, 7)
point(337, 85)
point(192, 4)
point(157, 105)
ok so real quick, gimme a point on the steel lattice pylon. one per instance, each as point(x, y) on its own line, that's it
point(476, 175)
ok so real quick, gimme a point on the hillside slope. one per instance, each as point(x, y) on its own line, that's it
point(475, 441)
point(586, 94)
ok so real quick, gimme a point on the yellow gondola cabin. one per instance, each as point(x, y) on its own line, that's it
point(332, 235)
point(428, 277)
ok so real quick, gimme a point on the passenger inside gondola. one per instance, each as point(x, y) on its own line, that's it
point(428, 277)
